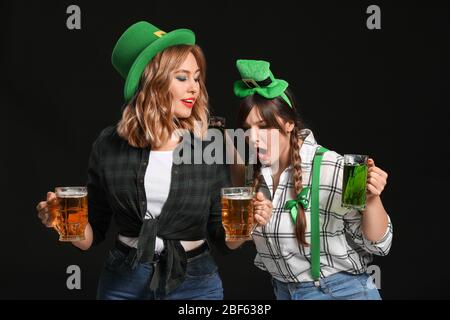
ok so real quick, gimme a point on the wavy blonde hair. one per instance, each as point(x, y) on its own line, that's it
point(148, 119)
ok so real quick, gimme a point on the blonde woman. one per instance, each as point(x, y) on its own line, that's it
point(166, 212)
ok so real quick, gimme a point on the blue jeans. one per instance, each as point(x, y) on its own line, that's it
point(339, 286)
point(119, 281)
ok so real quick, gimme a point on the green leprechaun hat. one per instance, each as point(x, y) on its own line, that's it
point(257, 78)
point(136, 48)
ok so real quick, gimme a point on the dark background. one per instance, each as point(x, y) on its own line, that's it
point(381, 92)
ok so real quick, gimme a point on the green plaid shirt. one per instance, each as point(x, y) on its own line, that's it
point(192, 210)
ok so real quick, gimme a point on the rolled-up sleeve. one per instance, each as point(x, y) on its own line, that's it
point(352, 225)
point(99, 211)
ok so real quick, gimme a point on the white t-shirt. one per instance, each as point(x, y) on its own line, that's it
point(158, 176)
point(157, 186)
point(157, 181)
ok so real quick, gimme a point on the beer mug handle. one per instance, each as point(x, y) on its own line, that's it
point(253, 228)
point(53, 210)
point(256, 224)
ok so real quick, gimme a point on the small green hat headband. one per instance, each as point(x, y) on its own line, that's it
point(257, 78)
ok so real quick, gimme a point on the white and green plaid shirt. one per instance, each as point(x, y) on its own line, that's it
point(343, 246)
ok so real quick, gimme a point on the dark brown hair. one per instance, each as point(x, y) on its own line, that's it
point(269, 109)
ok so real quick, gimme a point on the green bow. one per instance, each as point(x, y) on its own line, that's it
point(302, 199)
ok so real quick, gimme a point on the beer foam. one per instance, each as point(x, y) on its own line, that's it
point(238, 197)
point(71, 194)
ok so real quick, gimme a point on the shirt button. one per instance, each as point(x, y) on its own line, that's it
point(143, 202)
point(141, 181)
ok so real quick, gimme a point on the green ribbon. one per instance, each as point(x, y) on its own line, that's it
point(302, 199)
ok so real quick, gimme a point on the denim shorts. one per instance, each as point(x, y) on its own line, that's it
point(119, 281)
point(339, 286)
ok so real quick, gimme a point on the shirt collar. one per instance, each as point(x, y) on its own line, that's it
point(308, 148)
point(307, 152)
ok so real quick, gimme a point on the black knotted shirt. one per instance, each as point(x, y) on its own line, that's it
point(191, 212)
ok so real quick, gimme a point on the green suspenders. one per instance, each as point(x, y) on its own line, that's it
point(303, 200)
point(315, 227)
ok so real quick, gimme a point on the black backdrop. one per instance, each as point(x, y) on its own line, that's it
point(382, 92)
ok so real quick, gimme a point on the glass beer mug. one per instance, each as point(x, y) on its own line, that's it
point(354, 182)
point(237, 213)
point(70, 213)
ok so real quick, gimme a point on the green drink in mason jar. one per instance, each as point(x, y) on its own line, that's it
point(355, 181)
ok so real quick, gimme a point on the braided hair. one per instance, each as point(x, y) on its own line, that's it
point(269, 109)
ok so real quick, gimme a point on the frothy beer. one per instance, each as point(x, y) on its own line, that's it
point(71, 216)
point(237, 216)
